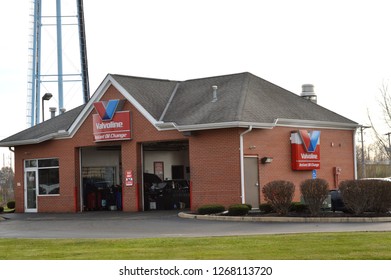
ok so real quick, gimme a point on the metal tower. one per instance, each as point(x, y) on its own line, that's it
point(56, 71)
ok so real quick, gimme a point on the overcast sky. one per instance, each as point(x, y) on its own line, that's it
point(342, 47)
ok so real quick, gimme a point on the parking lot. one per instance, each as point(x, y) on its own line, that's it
point(153, 224)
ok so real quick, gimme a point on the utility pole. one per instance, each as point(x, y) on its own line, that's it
point(363, 171)
point(389, 144)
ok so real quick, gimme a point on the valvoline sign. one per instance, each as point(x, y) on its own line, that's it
point(110, 124)
point(305, 147)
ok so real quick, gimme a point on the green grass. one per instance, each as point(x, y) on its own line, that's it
point(315, 246)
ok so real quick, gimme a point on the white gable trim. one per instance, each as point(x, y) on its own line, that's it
point(107, 82)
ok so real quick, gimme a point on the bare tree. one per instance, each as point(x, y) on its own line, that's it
point(383, 140)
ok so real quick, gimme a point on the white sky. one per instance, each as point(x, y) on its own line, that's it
point(343, 47)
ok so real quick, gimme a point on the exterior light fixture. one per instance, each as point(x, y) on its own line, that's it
point(265, 160)
point(46, 97)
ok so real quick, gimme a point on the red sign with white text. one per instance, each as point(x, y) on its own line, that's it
point(305, 147)
point(118, 128)
point(129, 178)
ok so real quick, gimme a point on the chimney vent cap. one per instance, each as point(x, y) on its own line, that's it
point(308, 92)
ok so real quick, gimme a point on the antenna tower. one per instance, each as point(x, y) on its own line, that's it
point(57, 60)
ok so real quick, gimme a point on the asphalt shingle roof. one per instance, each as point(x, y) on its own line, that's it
point(241, 97)
point(54, 125)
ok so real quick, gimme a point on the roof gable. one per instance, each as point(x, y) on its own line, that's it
point(242, 100)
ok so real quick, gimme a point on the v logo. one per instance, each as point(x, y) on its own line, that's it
point(106, 109)
point(310, 140)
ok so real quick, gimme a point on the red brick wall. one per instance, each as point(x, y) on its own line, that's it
point(69, 175)
point(214, 161)
point(215, 167)
point(67, 150)
point(336, 150)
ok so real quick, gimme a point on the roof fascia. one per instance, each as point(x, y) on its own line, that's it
point(315, 124)
point(55, 135)
point(277, 122)
point(171, 126)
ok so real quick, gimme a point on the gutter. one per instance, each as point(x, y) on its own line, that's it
point(56, 135)
point(171, 126)
point(160, 125)
point(242, 163)
point(315, 124)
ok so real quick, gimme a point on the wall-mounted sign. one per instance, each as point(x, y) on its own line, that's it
point(110, 124)
point(305, 147)
point(129, 178)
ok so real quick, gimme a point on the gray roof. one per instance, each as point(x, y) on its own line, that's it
point(45, 130)
point(242, 99)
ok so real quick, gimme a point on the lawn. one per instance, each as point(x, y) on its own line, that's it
point(314, 246)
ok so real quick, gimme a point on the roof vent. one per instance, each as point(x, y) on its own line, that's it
point(62, 110)
point(308, 93)
point(214, 93)
point(52, 112)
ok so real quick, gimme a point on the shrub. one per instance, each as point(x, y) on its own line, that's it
point(380, 200)
point(356, 195)
point(279, 195)
point(210, 209)
point(372, 196)
point(265, 208)
point(314, 192)
point(238, 210)
point(11, 204)
point(298, 207)
point(250, 207)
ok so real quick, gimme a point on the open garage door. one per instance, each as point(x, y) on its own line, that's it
point(100, 172)
point(166, 180)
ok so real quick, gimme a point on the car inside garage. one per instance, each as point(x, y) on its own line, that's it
point(166, 179)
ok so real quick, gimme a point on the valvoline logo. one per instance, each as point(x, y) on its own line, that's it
point(106, 109)
point(305, 146)
point(310, 139)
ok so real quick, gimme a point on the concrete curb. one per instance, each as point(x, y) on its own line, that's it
point(287, 219)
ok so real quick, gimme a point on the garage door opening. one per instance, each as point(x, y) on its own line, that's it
point(166, 180)
point(100, 173)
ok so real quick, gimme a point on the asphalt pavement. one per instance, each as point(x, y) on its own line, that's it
point(155, 224)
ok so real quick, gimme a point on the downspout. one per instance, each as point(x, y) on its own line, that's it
point(355, 154)
point(242, 162)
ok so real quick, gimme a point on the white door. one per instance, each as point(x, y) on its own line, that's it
point(30, 190)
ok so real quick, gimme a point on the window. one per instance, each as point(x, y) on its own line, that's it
point(48, 175)
point(48, 180)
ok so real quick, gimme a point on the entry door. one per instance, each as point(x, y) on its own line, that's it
point(251, 181)
point(31, 190)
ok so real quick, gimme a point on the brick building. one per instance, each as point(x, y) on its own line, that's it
point(144, 144)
